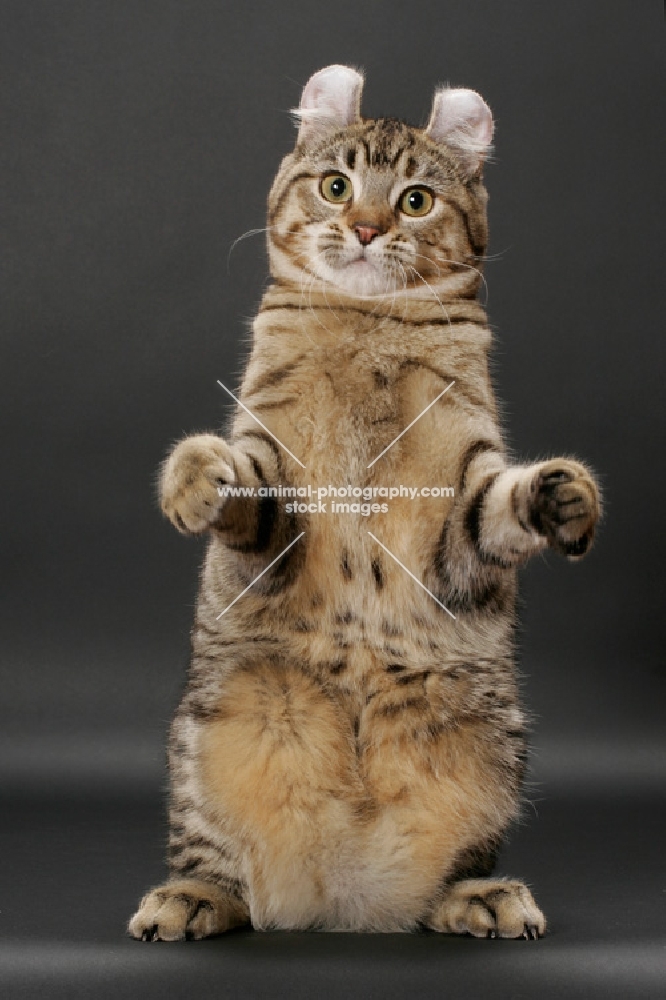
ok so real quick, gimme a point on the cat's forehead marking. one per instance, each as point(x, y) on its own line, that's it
point(384, 145)
point(378, 143)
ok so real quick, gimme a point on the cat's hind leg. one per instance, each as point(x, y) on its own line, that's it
point(187, 909)
point(488, 908)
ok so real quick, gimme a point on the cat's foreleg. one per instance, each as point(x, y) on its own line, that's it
point(512, 512)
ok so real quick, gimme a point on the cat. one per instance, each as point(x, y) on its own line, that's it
point(350, 747)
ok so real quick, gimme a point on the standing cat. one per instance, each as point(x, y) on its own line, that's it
point(350, 747)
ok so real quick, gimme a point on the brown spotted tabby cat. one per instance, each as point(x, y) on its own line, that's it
point(348, 754)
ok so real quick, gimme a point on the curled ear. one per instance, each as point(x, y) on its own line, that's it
point(331, 99)
point(462, 120)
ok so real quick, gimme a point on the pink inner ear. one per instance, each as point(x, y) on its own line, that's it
point(334, 93)
point(462, 119)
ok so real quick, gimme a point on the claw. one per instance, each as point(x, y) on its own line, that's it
point(578, 548)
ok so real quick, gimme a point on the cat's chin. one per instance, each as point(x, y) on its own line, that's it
point(362, 279)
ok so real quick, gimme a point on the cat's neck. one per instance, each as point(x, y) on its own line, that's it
point(434, 306)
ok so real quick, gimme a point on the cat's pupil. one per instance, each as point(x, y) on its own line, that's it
point(416, 201)
point(338, 187)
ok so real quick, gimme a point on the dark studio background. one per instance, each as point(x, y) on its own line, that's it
point(139, 140)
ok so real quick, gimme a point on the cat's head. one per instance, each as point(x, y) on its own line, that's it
point(374, 207)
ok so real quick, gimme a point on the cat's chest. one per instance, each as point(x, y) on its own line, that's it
point(350, 404)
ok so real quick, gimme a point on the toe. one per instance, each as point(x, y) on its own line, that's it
point(173, 917)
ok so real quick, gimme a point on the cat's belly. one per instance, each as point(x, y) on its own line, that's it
point(335, 833)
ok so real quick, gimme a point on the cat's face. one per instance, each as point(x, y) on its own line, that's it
point(377, 207)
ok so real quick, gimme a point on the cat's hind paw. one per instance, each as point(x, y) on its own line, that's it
point(489, 908)
point(185, 909)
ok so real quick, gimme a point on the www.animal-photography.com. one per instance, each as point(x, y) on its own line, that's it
point(332, 660)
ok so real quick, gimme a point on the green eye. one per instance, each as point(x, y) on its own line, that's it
point(416, 202)
point(336, 188)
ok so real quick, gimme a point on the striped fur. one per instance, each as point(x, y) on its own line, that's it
point(346, 755)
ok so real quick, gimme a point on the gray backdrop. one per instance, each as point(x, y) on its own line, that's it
point(139, 140)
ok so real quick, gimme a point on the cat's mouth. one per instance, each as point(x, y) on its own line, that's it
point(361, 258)
point(359, 263)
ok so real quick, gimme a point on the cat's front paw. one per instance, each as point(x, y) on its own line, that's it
point(186, 909)
point(190, 482)
point(564, 506)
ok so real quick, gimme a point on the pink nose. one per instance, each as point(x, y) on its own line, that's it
point(366, 234)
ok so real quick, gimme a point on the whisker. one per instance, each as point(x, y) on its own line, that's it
point(399, 245)
point(309, 277)
point(315, 277)
point(404, 287)
point(459, 263)
point(493, 256)
point(244, 236)
point(433, 292)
